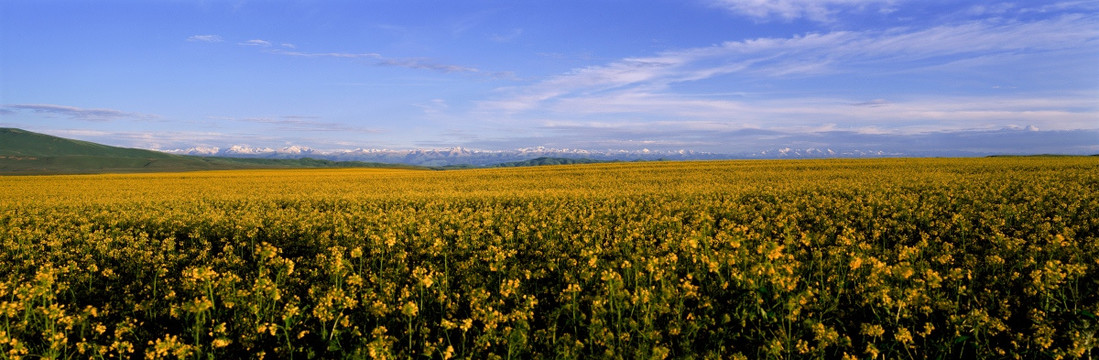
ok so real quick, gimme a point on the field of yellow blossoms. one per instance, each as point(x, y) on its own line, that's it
point(881, 258)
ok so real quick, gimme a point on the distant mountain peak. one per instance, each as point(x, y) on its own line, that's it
point(25, 152)
point(456, 155)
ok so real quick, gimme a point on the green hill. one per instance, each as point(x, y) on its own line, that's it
point(549, 161)
point(22, 143)
point(27, 153)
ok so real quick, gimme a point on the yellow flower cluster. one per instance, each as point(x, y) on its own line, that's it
point(880, 258)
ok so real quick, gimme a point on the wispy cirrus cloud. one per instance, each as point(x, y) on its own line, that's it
point(255, 42)
point(379, 60)
point(816, 10)
point(508, 36)
point(299, 123)
point(77, 113)
point(426, 64)
point(926, 113)
point(343, 55)
point(288, 49)
point(164, 139)
point(205, 38)
point(650, 87)
point(822, 140)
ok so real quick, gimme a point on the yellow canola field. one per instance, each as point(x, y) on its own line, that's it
point(872, 258)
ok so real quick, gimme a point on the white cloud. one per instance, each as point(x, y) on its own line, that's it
point(507, 36)
point(77, 113)
point(812, 140)
point(424, 64)
point(436, 108)
point(873, 103)
point(156, 140)
point(1086, 5)
point(329, 54)
point(303, 123)
point(648, 87)
point(205, 38)
point(816, 10)
point(1072, 111)
point(256, 42)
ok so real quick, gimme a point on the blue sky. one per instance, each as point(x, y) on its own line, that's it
point(721, 76)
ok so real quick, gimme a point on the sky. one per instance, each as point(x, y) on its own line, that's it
point(719, 76)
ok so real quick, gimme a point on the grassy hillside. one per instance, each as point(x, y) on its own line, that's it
point(549, 161)
point(22, 143)
point(26, 153)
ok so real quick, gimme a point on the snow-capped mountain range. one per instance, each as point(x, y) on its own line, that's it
point(463, 156)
